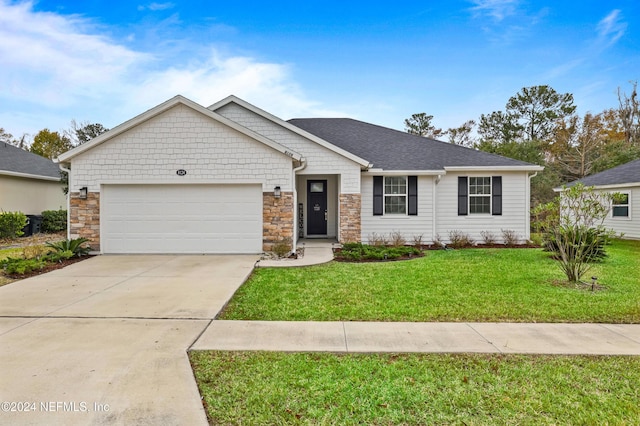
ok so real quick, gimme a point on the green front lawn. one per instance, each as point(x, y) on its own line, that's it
point(518, 285)
point(256, 388)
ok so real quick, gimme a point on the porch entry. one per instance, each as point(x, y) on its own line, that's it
point(317, 214)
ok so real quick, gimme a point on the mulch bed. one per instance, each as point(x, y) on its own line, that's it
point(340, 259)
point(424, 248)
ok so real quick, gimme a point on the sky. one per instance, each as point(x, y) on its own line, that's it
point(108, 61)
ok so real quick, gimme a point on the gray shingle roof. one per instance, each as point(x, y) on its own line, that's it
point(390, 149)
point(16, 160)
point(626, 173)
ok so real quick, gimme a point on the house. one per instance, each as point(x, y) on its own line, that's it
point(232, 178)
point(624, 216)
point(29, 183)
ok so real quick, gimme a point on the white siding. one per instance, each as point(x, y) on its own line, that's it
point(515, 214)
point(630, 226)
point(181, 138)
point(409, 226)
point(320, 160)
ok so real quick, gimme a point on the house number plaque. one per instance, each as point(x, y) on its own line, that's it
point(181, 172)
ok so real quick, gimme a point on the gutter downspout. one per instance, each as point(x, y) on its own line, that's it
point(68, 172)
point(434, 204)
point(302, 166)
point(528, 204)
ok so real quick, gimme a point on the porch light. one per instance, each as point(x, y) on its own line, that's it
point(83, 193)
point(277, 192)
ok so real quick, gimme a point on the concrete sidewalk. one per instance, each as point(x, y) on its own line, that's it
point(570, 339)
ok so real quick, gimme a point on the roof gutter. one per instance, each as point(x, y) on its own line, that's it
point(29, 175)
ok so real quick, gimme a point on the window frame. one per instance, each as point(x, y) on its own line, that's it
point(488, 195)
point(405, 195)
point(627, 205)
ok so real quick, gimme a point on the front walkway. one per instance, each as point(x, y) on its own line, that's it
point(314, 252)
point(302, 336)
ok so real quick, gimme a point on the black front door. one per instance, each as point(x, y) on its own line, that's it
point(317, 207)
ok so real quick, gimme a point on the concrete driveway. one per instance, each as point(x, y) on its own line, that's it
point(104, 341)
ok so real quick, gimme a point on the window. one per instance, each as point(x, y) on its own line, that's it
point(621, 205)
point(479, 195)
point(395, 195)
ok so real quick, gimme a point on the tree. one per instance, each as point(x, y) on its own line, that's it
point(462, 135)
point(538, 108)
point(8, 138)
point(579, 142)
point(77, 134)
point(5, 137)
point(420, 124)
point(50, 144)
point(630, 115)
point(498, 128)
point(573, 229)
point(80, 133)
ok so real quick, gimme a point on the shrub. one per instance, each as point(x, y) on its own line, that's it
point(396, 239)
point(573, 229)
point(34, 252)
point(459, 239)
point(358, 251)
point(437, 241)
point(417, 241)
point(75, 246)
point(54, 220)
point(576, 247)
point(587, 242)
point(59, 256)
point(283, 247)
point(377, 240)
point(18, 266)
point(11, 224)
point(488, 237)
point(510, 237)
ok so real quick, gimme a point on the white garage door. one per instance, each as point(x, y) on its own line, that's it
point(181, 218)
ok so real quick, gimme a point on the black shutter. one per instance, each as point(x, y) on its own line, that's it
point(496, 195)
point(463, 201)
point(378, 196)
point(413, 196)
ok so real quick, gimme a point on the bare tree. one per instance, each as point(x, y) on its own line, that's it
point(630, 114)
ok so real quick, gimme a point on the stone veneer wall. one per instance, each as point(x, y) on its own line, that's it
point(277, 219)
point(350, 214)
point(84, 216)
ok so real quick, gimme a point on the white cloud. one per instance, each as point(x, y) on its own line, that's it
point(54, 68)
point(156, 6)
point(496, 9)
point(49, 58)
point(611, 28)
point(267, 85)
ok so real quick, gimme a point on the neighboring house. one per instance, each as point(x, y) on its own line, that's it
point(232, 178)
point(625, 213)
point(29, 183)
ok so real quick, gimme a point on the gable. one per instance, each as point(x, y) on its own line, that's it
point(319, 159)
point(181, 138)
